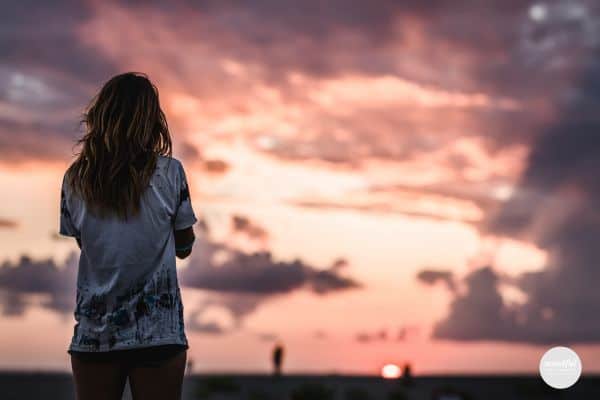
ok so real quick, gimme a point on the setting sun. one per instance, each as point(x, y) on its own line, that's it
point(390, 371)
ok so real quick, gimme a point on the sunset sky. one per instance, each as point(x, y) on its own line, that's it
point(378, 182)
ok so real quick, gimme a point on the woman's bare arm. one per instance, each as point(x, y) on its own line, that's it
point(184, 239)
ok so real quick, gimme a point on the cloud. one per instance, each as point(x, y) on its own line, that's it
point(47, 76)
point(484, 195)
point(308, 82)
point(271, 74)
point(216, 166)
point(242, 224)
point(431, 277)
point(6, 223)
point(379, 207)
point(257, 273)
point(240, 282)
point(480, 313)
point(192, 154)
point(376, 76)
point(196, 324)
point(262, 68)
point(555, 206)
point(280, 37)
point(231, 310)
point(188, 152)
point(384, 335)
point(27, 277)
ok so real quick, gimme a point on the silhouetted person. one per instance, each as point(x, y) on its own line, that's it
point(277, 359)
point(407, 378)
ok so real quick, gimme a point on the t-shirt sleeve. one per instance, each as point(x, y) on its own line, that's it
point(66, 222)
point(184, 217)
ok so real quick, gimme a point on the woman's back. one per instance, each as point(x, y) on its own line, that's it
point(126, 201)
point(127, 290)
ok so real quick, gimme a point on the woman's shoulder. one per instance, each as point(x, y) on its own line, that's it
point(168, 163)
point(171, 170)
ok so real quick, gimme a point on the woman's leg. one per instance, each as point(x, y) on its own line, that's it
point(161, 382)
point(98, 380)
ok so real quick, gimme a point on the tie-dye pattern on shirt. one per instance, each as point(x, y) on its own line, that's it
point(128, 295)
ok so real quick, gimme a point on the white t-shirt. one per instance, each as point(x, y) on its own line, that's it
point(127, 289)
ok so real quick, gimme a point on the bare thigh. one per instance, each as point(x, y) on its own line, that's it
point(98, 380)
point(162, 382)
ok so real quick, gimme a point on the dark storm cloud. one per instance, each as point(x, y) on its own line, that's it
point(480, 313)
point(494, 47)
point(26, 277)
point(556, 206)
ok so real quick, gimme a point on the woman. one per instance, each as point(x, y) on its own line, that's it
point(127, 203)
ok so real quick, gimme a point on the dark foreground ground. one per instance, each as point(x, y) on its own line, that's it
point(26, 386)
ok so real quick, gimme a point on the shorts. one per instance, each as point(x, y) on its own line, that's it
point(152, 356)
